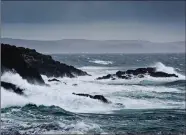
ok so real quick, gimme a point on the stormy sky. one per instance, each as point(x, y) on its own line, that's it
point(156, 21)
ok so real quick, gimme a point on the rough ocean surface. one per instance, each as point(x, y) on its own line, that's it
point(150, 105)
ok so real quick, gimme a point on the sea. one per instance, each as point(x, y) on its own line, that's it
point(150, 105)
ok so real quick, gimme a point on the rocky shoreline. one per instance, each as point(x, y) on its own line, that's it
point(30, 65)
point(138, 73)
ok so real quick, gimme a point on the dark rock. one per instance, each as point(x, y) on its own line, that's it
point(141, 76)
point(54, 80)
point(11, 60)
point(105, 77)
point(126, 76)
point(120, 73)
point(101, 98)
point(98, 97)
point(162, 74)
point(120, 104)
point(49, 67)
point(74, 84)
point(12, 87)
point(139, 72)
point(29, 64)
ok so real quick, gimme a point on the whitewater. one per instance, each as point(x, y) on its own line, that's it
point(138, 95)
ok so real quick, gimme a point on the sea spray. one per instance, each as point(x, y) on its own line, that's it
point(157, 107)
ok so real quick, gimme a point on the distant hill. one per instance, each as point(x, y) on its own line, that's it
point(98, 46)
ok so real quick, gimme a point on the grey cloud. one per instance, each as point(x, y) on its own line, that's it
point(92, 11)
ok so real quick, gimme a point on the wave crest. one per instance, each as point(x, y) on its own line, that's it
point(101, 62)
point(161, 67)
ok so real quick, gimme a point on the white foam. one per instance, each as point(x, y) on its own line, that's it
point(161, 67)
point(61, 95)
point(9, 99)
point(101, 62)
point(80, 127)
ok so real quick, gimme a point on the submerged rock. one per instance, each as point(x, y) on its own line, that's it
point(119, 105)
point(139, 72)
point(54, 80)
point(98, 97)
point(12, 87)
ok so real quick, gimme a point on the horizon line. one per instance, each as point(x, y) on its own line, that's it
point(92, 40)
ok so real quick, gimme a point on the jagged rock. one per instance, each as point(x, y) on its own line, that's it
point(29, 64)
point(139, 72)
point(12, 60)
point(54, 80)
point(47, 66)
point(98, 97)
point(12, 87)
point(105, 77)
point(74, 84)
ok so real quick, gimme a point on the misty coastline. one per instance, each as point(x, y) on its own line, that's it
point(76, 46)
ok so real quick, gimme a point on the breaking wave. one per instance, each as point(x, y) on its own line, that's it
point(150, 105)
point(161, 67)
point(118, 91)
point(101, 62)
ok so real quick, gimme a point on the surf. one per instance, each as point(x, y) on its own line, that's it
point(60, 94)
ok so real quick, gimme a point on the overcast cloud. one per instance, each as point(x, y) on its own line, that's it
point(156, 21)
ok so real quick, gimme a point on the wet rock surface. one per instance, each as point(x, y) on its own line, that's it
point(12, 60)
point(139, 72)
point(54, 80)
point(12, 87)
point(98, 97)
point(30, 64)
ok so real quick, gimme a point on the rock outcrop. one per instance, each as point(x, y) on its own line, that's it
point(12, 60)
point(12, 87)
point(47, 66)
point(30, 64)
point(54, 80)
point(98, 97)
point(139, 72)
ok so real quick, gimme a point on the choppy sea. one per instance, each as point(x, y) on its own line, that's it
point(151, 105)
